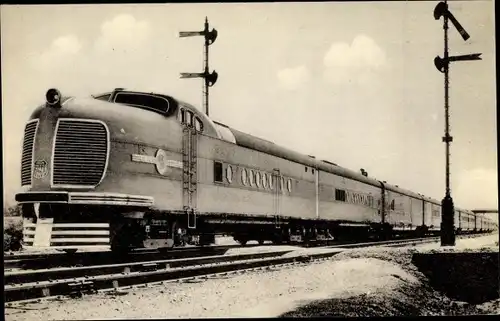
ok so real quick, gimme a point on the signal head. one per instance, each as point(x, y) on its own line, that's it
point(440, 10)
point(211, 79)
point(211, 36)
point(440, 63)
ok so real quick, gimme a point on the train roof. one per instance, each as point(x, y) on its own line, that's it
point(164, 104)
point(168, 106)
point(265, 146)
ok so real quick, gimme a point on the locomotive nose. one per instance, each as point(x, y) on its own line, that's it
point(53, 98)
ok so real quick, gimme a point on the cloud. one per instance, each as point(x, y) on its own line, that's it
point(477, 188)
point(357, 62)
point(292, 78)
point(123, 32)
point(123, 41)
point(61, 48)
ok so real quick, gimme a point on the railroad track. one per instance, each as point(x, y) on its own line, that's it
point(53, 260)
point(25, 286)
point(33, 261)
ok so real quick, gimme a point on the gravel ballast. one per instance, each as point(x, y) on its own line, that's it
point(359, 282)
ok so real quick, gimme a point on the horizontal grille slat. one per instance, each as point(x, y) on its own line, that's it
point(27, 155)
point(95, 156)
point(82, 163)
point(80, 153)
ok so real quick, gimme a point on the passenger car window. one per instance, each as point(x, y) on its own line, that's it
point(218, 172)
point(340, 195)
point(229, 173)
point(257, 179)
point(244, 176)
point(251, 177)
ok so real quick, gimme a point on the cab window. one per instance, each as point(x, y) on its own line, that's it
point(182, 116)
point(198, 124)
point(189, 118)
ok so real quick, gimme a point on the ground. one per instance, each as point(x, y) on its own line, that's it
point(358, 282)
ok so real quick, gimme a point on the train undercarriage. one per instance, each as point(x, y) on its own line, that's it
point(72, 227)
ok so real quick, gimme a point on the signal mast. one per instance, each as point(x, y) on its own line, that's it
point(442, 64)
point(210, 78)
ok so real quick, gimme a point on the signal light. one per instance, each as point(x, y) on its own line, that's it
point(442, 10)
point(210, 36)
point(53, 97)
point(211, 79)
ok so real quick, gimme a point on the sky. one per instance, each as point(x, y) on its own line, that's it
point(352, 83)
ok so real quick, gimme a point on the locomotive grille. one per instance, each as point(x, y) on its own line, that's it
point(27, 157)
point(80, 153)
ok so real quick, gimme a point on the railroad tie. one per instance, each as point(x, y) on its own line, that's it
point(78, 288)
point(149, 267)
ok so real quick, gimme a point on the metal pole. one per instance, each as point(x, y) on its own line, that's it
point(206, 66)
point(446, 106)
point(209, 79)
point(447, 208)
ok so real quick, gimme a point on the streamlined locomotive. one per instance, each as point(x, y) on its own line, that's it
point(129, 169)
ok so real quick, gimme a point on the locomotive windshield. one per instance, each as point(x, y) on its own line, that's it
point(159, 103)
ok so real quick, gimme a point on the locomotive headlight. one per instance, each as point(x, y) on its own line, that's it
point(53, 98)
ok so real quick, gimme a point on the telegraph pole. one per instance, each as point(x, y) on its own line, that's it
point(210, 78)
point(442, 64)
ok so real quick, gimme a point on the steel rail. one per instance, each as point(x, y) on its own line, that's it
point(17, 277)
point(90, 284)
point(52, 260)
point(49, 260)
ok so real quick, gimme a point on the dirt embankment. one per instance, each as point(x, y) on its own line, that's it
point(443, 290)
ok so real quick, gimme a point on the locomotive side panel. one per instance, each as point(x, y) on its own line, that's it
point(130, 171)
point(342, 198)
